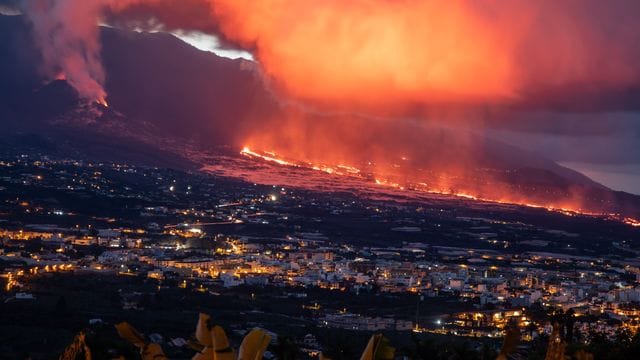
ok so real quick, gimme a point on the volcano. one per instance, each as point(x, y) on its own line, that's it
point(173, 105)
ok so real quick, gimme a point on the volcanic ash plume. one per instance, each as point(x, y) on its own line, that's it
point(66, 33)
point(385, 52)
point(374, 52)
point(371, 51)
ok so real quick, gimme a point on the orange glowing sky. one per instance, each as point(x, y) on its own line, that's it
point(372, 51)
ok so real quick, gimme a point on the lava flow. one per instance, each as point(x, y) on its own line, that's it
point(420, 187)
point(273, 157)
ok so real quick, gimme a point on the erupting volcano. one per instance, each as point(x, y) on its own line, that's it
point(404, 95)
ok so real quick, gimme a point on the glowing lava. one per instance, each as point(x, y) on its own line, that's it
point(246, 151)
point(632, 222)
point(102, 101)
point(356, 173)
point(273, 157)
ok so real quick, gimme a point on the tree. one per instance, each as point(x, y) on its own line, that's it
point(286, 348)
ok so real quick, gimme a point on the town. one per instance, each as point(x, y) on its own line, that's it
point(292, 259)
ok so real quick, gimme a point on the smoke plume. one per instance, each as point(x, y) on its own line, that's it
point(66, 33)
point(373, 51)
point(378, 53)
